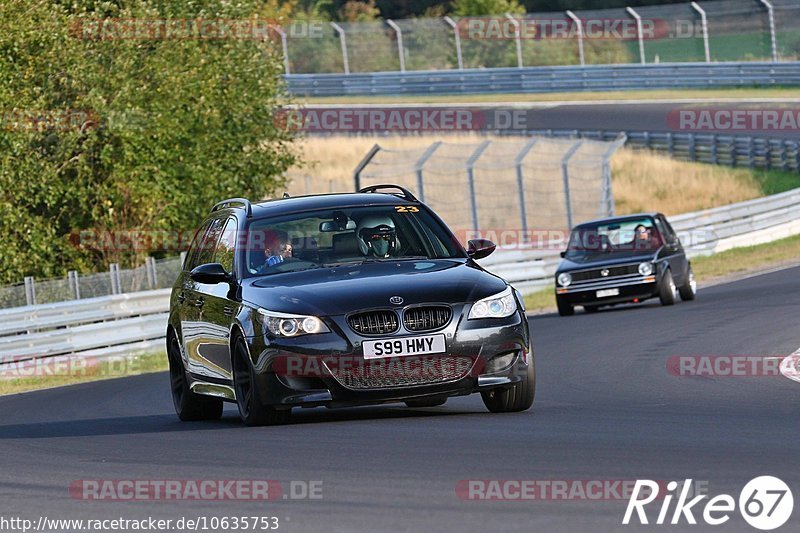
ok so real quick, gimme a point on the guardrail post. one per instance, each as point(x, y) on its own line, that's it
point(773, 40)
point(364, 162)
point(343, 42)
point(113, 272)
point(400, 50)
point(152, 275)
point(518, 39)
point(714, 149)
point(565, 176)
point(639, 33)
point(74, 284)
point(577, 21)
point(471, 181)
point(30, 290)
point(704, 26)
point(418, 168)
point(450, 22)
point(521, 182)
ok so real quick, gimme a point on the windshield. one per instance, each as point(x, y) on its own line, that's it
point(619, 238)
point(320, 239)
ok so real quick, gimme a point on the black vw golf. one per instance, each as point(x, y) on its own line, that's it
point(623, 259)
point(340, 300)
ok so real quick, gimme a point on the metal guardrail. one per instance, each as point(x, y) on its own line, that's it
point(732, 150)
point(702, 233)
point(548, 79)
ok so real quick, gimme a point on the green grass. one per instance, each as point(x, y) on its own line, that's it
point(727, 264)
point(775, 181)
point(656, 94)
point(58, 371)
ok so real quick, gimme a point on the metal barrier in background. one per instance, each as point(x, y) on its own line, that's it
point(548, 79)
point(722, 30)
point(519, 184)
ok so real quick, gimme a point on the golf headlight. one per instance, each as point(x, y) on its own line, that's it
point(645, 269)
point(284, 325)
point(564, 279)
point(500, 305)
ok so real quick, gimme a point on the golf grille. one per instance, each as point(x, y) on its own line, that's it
point(613, 271)
point(374, 322)
point(426, 318)
point(403, 372)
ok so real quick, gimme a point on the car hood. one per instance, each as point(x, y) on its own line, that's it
point(343, 289)
point(597, 261)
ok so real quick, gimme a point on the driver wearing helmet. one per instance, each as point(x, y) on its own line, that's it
point(377, 236)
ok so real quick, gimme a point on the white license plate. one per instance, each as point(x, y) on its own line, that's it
point(607, 292)
point(403, 347)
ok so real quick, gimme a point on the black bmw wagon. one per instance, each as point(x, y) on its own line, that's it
point(623, 260)
point(341, 300)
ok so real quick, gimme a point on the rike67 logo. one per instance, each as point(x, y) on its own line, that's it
point(765, 503)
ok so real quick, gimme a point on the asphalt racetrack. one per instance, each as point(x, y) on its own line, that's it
point(606, 409)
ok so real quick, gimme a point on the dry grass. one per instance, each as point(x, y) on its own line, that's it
point(643, 181)
point(648, 181)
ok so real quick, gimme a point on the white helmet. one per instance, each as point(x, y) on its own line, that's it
point(376, 236)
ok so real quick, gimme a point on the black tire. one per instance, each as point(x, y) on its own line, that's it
point(516, 398)
point(564, 309)
point(245, 385)
point(591, 308)
point(688, 290)
point(667, 292)
point(188, 405)
point(426, 402)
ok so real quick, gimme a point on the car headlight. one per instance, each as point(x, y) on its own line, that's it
point(645, 269)
point(285, 325)
point(500, 305)
point(564, 279)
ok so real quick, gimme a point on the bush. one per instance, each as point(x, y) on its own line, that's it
point(156, 130)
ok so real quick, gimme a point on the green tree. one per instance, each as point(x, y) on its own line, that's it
point(157, 129)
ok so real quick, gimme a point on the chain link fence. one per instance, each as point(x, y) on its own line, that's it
point(721, 30)
point(154, 274)
point(529, 184)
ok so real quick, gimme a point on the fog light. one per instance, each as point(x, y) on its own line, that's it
point(500, 362)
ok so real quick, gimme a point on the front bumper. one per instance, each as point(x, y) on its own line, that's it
point(308, 371)
point(630, 288)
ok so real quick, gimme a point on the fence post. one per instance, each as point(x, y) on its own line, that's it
point(565, 177)
point(577, 21)
point(285, 47)
point(773, 40)
point(608, 196)
point(400, 51)
point(30, 290)
point(521, 182)
point(639, 33)
point(364, 162)
point(450, 22)
point(113, 272)
point(343, 41)
point(152, 275)
point(418, 168)
point(471, 181)
point(74, 284)
point(704, 27)
point(518, 39)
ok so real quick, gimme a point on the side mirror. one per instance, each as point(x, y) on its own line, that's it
point(480, 248)
point(210, 273)
point(563, 254)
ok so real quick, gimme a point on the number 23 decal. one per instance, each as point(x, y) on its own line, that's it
point(406, 209)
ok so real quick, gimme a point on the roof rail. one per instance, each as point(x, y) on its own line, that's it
point(244, 203)
point(405, 192)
